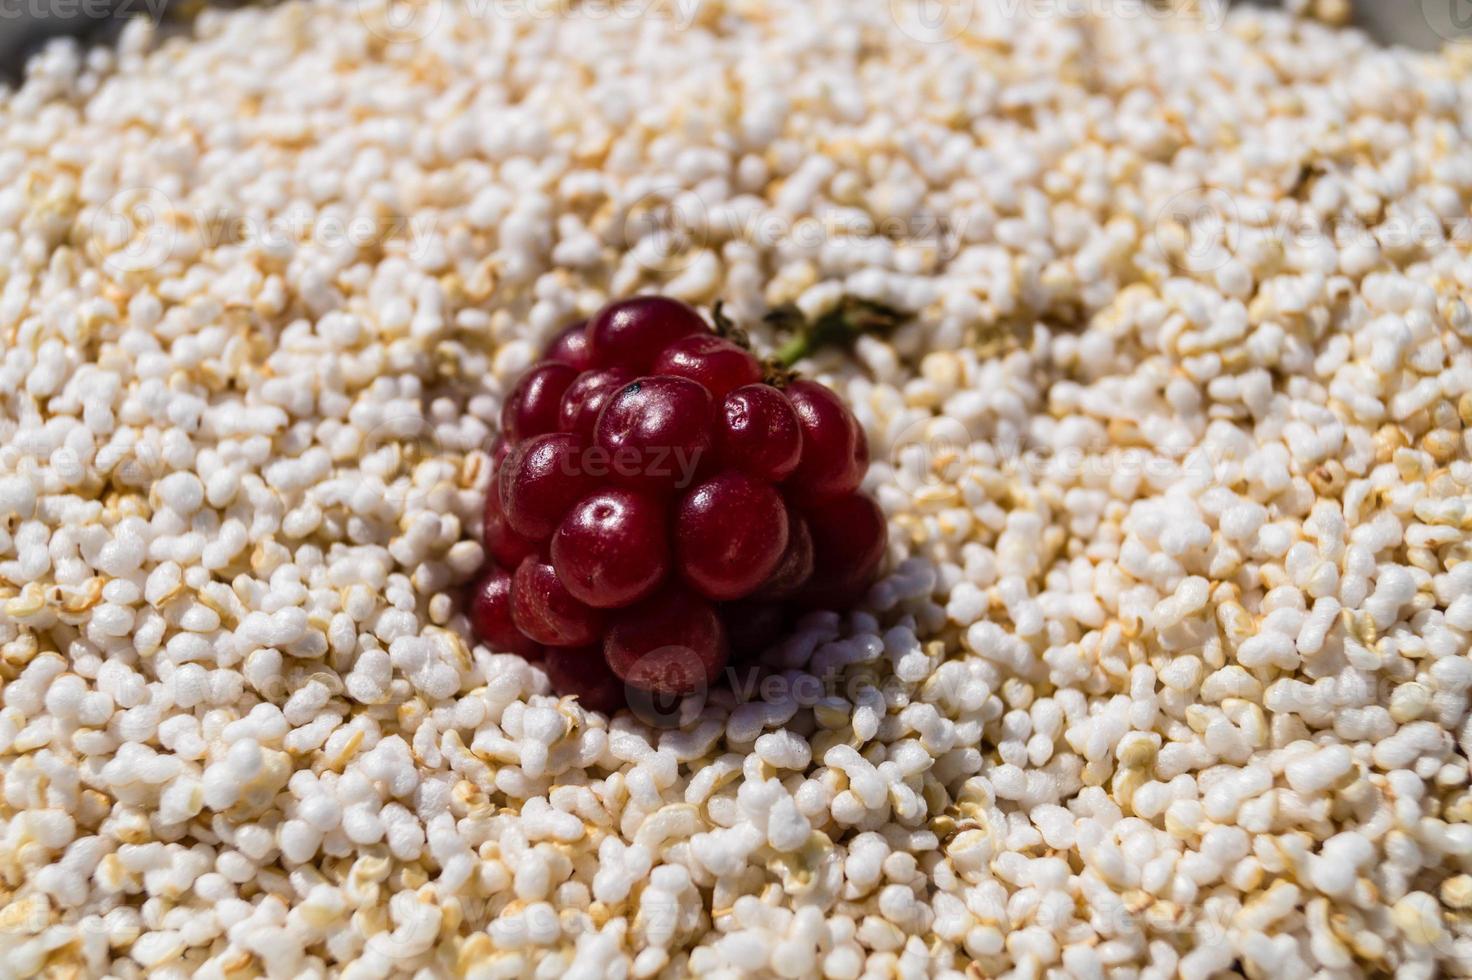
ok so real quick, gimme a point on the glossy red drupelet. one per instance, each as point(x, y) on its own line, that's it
point(581, 672)
point(655, 506)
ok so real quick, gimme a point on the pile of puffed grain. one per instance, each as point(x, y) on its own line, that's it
point(1170, 674)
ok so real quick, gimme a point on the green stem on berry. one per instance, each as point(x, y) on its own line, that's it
point(840, 327)
point(795, 350)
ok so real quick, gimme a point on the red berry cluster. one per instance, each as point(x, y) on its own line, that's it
point(655, 503)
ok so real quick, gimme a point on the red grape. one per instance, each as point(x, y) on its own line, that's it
point(672, 643)
point(490, 615)
point(571, 347)
point(612, 549)
point(500, 449)
point(581, 672)
point(535, 403)
point(796, 565)
point(835, 453)
point(656, 432)
point(586, 396)
point(730, 533)
point(546, 612)
point(849, 541)
point(631, 333)
point(541, 480)
point(756, 430)
point(753, 626)
point(504, 545)
point(717, 364)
